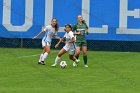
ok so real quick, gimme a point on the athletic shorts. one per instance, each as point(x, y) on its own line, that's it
point(70, 48)
point(79, 44)
point(45, 43)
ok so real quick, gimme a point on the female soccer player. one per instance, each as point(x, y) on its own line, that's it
point(51, 31)
point(79, 30)
point(69, 46)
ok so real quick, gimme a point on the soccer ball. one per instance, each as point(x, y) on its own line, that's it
point(63, 64)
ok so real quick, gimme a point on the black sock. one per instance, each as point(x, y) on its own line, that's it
point(85, 59)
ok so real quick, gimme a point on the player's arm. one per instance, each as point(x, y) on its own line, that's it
point(40, 33)
point(86, 29)
point(56, 37)
point(72, 40)
point(61, 40)
point(77, 32)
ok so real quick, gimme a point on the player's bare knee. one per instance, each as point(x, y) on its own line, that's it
point(48, 52)
point(84, 54)
point(78, 53)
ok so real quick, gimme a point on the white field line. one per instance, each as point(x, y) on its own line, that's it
point(28, 56)
point(35, 55)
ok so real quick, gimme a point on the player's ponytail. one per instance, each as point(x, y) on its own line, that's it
point(83, 21)
point(56, 27)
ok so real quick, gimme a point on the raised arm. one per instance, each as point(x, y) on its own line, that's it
point(40, 33)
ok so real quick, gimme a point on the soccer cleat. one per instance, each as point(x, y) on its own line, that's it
point(41, 63)
point(74, 64)
point(86, 66)
point(78, 60)
point(54, 65)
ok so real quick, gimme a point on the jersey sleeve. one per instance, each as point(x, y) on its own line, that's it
point(46, 28)
point(71, 34)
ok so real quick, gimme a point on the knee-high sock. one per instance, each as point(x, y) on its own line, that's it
point(40, 57)
point(57, 59)
point(85, 59)
point(44, 56)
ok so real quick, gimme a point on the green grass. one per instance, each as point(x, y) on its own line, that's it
point(108, 72)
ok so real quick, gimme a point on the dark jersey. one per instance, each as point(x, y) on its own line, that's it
point(80, 27)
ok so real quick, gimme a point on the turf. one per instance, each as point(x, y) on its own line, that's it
point(108, 72)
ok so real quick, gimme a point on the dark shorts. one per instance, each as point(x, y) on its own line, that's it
point(79, 44)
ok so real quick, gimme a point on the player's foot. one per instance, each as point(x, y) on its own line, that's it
point(74, 64)
point(78, 60)
point(41, 63)
point(54, 65)
point(86, 66)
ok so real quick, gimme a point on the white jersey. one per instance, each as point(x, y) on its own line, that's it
point(69, 46)
point(69, 36)
point(50, 32)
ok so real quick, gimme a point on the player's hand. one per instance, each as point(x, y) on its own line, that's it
point(60, 39)
point(35, 37)
point(78, 32)
point(56, 46)
point(87, 33)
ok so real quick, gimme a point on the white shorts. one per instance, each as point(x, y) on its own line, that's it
point(45, 43)
point(70, 48)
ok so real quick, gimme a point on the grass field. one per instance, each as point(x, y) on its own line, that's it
point(108, 72)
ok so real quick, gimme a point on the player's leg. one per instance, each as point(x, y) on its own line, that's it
point(46, 47)
point(61, 52)
point(78, 47)
point(84, 50)
point(39, 62)
point(46, 53)
point(41, 56)
point(75, 61)
point(72, 55)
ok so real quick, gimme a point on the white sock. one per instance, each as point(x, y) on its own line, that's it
point(44, 56)
point(57, 59)
point(40, 57)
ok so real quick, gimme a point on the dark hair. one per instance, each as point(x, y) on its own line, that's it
point(83, 21)
point(68, 25)
point(56, 26)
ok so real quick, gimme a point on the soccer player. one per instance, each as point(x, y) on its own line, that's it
point(79, 30)
point(51, 31)
point(69, 46)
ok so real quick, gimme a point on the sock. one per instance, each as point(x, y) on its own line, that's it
point(44, 56)
point(85, 59)
point(40, 57)
point(57, 59)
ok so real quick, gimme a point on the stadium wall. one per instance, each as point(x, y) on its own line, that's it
point(113, 24)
